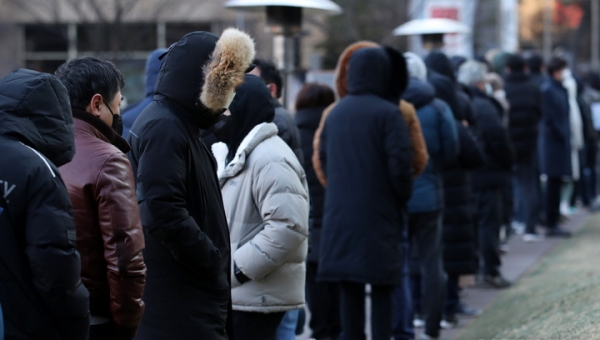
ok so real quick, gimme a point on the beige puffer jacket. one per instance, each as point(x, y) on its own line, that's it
point(266, 202)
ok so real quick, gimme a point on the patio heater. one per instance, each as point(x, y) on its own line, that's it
point(284, 19)
point(431, 30)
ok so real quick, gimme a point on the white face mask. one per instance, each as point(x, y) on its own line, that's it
point(566, 74)
point(489, 89)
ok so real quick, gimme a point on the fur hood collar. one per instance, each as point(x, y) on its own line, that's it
point(257, 135)
point(341, 70)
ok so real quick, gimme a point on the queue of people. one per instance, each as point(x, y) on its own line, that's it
point(218, 214)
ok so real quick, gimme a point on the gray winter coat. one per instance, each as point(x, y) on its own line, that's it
point(265, 195)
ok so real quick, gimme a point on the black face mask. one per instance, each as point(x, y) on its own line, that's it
point(117, 123)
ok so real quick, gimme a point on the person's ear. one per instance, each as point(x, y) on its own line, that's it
point(94, 105)
point(273, 89)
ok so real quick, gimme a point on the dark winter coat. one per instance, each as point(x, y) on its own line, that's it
point(287, 130)
point(445, 90)
point(524, 97)
point(131, 113)
point(307, 121)
point(556, 130)
point(187, 240)
point(41, 293)
point(367, 156)
point(498, 149)
point(441, 137)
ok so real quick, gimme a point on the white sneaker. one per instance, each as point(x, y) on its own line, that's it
point(565, 209)
point(518, 227)
point(418, 323)
point(532, 238)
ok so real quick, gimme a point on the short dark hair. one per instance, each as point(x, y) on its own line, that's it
point(515, 63)
point(535, 63)
point(269, 74)
point(556, 64)
point(84, 77)
point(314, 95)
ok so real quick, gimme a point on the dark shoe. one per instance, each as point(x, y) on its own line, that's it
point(557, 232)
point(495, 281)
point(466, 310)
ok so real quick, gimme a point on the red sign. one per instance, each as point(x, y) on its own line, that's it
point(444, 12)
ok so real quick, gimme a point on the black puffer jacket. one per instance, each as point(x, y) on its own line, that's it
point(367, 156)
point(40, 290)
point(498, 149)
point(308, 121)
point(524, 96)
point(187, 251)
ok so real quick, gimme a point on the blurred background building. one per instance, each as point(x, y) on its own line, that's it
point(42, 34)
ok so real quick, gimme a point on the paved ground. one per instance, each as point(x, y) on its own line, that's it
point(520, 259)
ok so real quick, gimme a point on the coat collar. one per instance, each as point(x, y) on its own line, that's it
point(100, 130)
point(257, 135)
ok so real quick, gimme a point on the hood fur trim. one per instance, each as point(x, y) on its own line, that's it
point(341, 70)
point(225, 71)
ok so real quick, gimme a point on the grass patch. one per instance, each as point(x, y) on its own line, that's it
point(559, 299)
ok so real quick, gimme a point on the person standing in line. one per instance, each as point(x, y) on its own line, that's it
point(426, 204)
point(41, 293)
point(265, 195)
point(188, 289)
point(287, 130)
point(489, 180)
point(556, 142)
point(366, 155)
point(404, 329)
point(524, 96)
point(322, 297)
point(102, 189)
point(131, 113)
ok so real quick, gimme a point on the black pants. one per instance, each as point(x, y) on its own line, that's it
point(489, 212)
point(553, 202)
point(452, 295)
point(104, 331)
point(425, 232)
point(256, 326)
point(323, 300)
point(353, 311)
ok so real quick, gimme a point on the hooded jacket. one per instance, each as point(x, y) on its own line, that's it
point(41, 293)
point(555, 130)
point(187, 239)
point(107, 217)
point(266, 202)
point(131, 113)
point(367, 156)
point(420, 156)
point(441, 137)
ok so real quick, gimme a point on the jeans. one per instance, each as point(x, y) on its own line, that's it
point(526, 178)
point(323, 299)
point(287, 326)
point(403, 307)
point(425, 232)
point(256, 326)
point(1, 324)
point(352, 304)
point(488, 215)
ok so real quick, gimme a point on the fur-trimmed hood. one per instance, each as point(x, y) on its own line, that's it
point(341, 70)
point(201, 71)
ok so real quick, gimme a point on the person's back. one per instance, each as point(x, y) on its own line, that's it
point(41, 294)
point(187, 238)
point(131, 113)
point(367, 154)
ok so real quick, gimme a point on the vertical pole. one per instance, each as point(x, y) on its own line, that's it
point(161, 35)
point(595, 35)
point(72, 36)
point(548, 6)
point(289, 52)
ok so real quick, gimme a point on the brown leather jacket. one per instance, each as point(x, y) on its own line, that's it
point(420, 155)
point(107, 220)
